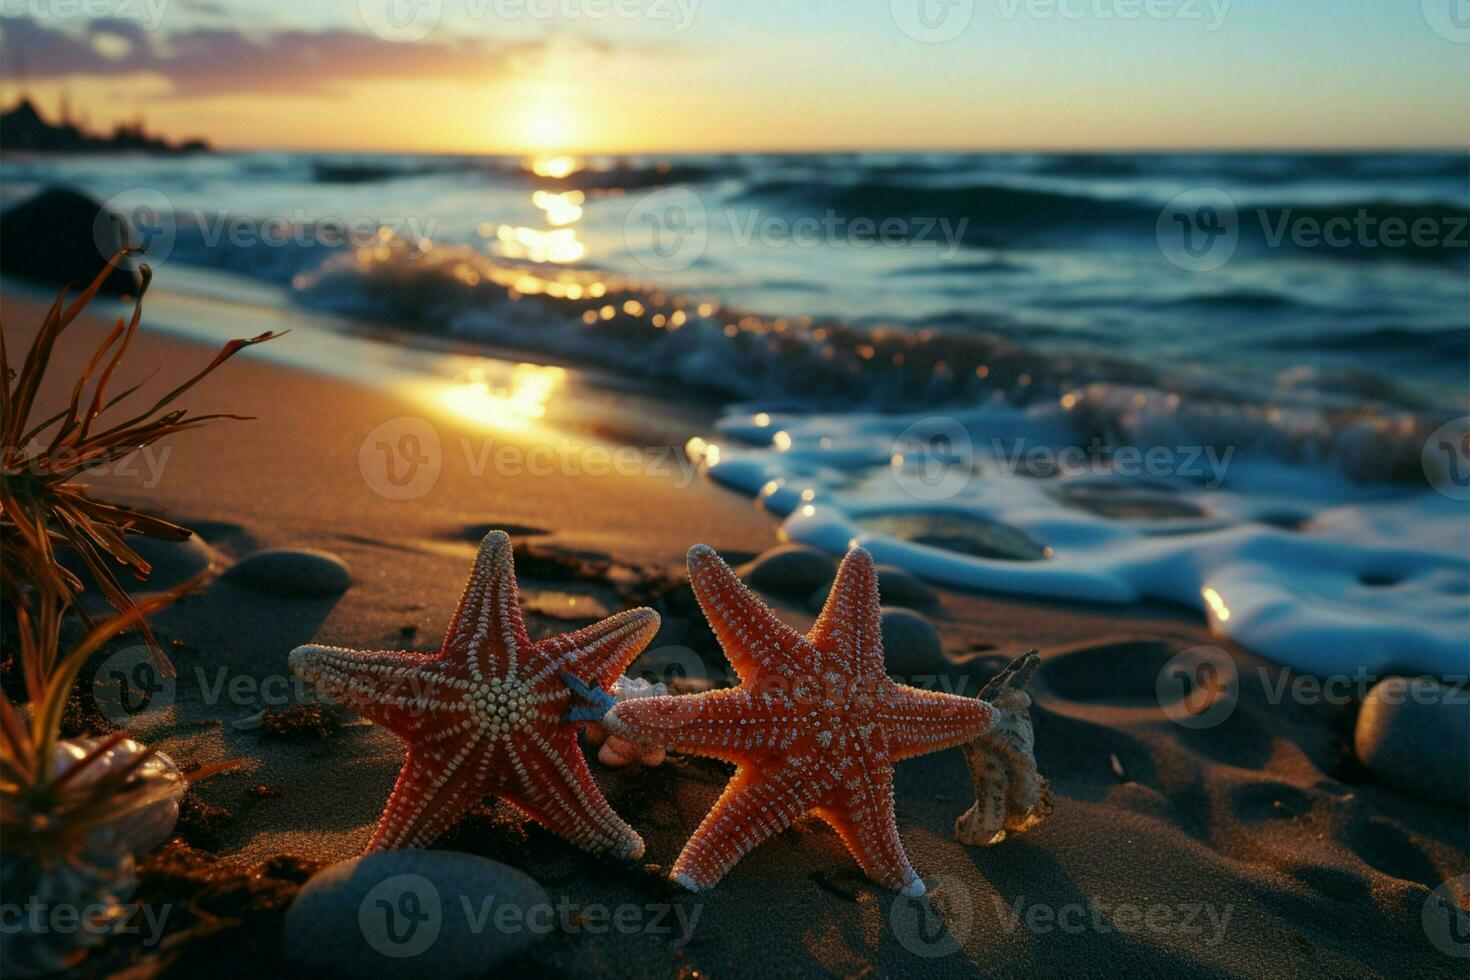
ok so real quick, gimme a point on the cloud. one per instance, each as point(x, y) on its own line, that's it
point(227, 61)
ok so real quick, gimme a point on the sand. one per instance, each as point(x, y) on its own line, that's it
point(1254, 847)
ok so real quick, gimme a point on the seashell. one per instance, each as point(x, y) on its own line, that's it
point(92, 880)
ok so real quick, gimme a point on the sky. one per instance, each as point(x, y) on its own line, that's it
point(538, 76)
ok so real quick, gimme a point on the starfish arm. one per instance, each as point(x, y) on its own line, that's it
point(430, 796)
point(918, 722)
point(753, 637)
point(727, 724)
point(598, 653)
point(553, 786)
point(393, 689)
point(860, 809)
point(849, 623)
point(488, 629)
point(749, 812)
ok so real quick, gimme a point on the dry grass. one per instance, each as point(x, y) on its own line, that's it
point(42, 506)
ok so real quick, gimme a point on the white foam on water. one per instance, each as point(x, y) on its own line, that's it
point(1295, 562)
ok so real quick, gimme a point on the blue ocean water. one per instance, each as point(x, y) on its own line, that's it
point(1232, 381)
point(1080, 254)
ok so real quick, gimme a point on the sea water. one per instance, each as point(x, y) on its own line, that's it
point(1227, 381)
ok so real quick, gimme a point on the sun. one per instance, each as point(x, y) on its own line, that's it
point(548, 129)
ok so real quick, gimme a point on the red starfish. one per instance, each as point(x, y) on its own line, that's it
point(814, 727)
point(490, 713)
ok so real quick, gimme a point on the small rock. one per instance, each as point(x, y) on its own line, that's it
point(60, 236)
point(911, 645)
point(789, 569)
point(899, 587)
point(896, 587)
point(411, 914)
point(1414, 733)
point(174, 562)
point(292, 572)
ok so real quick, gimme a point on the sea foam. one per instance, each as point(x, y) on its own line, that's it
point(1294, 561)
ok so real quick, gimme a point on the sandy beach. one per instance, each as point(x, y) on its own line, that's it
point(1254, 846)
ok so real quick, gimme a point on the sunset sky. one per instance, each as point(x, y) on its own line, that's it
point(517, 76)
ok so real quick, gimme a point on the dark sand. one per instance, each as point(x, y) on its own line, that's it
point(1255, 847)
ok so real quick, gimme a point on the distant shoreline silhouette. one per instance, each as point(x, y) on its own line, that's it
point(24, 130)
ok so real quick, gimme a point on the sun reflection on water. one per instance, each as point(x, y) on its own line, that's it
point(1216, 604)
point(558, 244)
point(557, 167)
point(512, 407)
point(561, 209)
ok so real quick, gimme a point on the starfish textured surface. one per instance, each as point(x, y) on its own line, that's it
point(490, 713)
point(814, 727)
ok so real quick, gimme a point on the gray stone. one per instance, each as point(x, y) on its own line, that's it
point(56, 237)
point(1414, 733)
point(911, 645)
point(292, 572)
point(174, 562)
point(896, 587)
point(789, 569)
point(899, 587)
point(412, 914)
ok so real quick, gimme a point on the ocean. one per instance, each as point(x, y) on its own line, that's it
point(1231, 381)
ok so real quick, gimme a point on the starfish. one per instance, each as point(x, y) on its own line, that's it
point(491, 713)
point(813, 729)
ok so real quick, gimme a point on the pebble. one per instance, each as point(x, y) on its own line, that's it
point(413, 914)
point(911, 645)
point(899, 587)
point(896, 587)
point(174, 562)
point(1414, 733)
point(292, 572)
point(58, 236)
point(789, 569)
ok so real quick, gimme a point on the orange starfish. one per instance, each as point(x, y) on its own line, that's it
point(814, 727)
point(491, 713)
